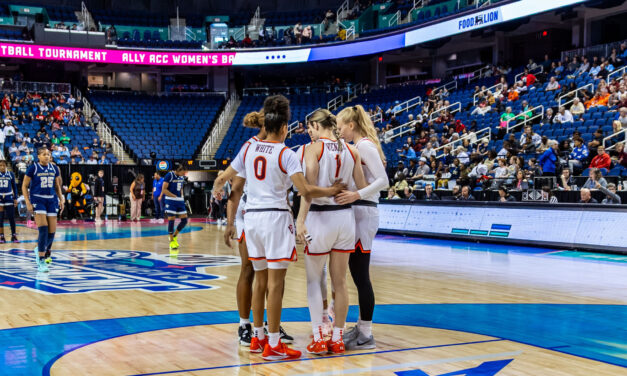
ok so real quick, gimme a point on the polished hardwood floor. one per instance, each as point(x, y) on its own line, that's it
point(114, 303)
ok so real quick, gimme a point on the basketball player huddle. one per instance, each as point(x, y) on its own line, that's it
point(339, 185)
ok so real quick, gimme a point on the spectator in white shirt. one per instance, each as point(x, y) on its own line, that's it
point(428, 151)
point(622, 117)
point(563, 116)
point(552, 85)
point(462, 155)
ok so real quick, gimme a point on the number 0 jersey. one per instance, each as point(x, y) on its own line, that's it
point(267, 167)
point(42, 180)
point(333, 164)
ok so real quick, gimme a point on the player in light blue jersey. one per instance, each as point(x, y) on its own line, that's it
point(43, 195)
point(8, 201)
point(172, 190)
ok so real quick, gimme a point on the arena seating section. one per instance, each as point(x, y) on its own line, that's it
point(300, 105)
point(81, 136)
point(178, 124)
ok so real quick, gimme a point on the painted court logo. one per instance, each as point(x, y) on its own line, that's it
point(100, 270)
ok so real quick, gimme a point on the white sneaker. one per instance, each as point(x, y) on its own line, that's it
point(73, 221)
point(161, 220)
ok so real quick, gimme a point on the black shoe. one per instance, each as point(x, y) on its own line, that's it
point(2, 239)
point(244, 333)
point(285, 338)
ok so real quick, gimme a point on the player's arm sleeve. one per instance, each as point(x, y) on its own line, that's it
point(238, 162)
point(290, 162)
point(370, 157)
point(31, 171)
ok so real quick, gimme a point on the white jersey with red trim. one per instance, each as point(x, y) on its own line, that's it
point(242, 202)
point(371, 164)
point(267, 167)
point(334, 163)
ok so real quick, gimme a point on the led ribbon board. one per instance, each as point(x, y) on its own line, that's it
point(458, 25)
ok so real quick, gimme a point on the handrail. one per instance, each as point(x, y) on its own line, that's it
point(474, 97)
point(393, 21)
point(612, 136)
point(410, 103)
point(449, 86)
point(309, 114)
point(540, 67)
point(292, 127)
point(525, 120)
point(456, 104)
point(417, 5)
point(350, 32)
point(481, 5)
point(596, 50)
point(451, 144)
point(377, 117)
point(334, 103)
point(404, 129)
point(342, 11)
point(559, 101)
point(616, 72)
point(354, 91)
point(214, 136)
point(473, 76)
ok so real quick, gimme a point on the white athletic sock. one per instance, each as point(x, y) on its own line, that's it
point(259, 333)
point(365, 327)
point(243, 322)
point(273, 339)
point(317, 332)
point(337, 334)
point(314, 266)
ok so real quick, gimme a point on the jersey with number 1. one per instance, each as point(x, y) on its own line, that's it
point(267, 167)
point(42, 180)
point(335, 162)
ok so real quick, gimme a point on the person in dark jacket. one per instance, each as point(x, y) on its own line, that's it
point(99, 195)
point(504, 195)
point(429, 195)
point(466, 196)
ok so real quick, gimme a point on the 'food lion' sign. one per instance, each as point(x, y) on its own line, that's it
point(99, 270)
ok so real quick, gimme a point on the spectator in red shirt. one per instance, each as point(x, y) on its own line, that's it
point(602, 160)
point(247, 41)
point(459, 127)
point(6, 103)
point(530, 79)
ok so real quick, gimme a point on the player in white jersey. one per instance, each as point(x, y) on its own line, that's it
point(235, 213)
point(329, 227)
point(270, 169)
point(327, 324)
point(355, 126)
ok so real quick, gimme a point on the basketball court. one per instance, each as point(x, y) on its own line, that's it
point(115, 303)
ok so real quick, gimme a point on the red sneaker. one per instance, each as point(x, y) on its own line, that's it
point(280, 352)
point(318, 347)
point(256, 345)
point(336, 347)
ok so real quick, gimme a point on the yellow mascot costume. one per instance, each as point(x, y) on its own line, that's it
point(77, 192)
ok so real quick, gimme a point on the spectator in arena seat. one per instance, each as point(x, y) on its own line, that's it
point(599, 99)
point(400, 170)
point(521, 184)
point(392, 195)
point(247, 42)
point(429, 194)
point(422, 169)
point(465, 194)
point(586, 197)
point(93, 159)
point(552, 85)
point(412, 168)
point(563, 116)
point(504, 195)
point(549, 159)
point(567, 181)
point(531, 65)
point(428, 151)
point(298, 32)
point(602, 159)
point(595, 177)
point(548, 117)
point(594, 71)
point(611, 198)
point(622, 117)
